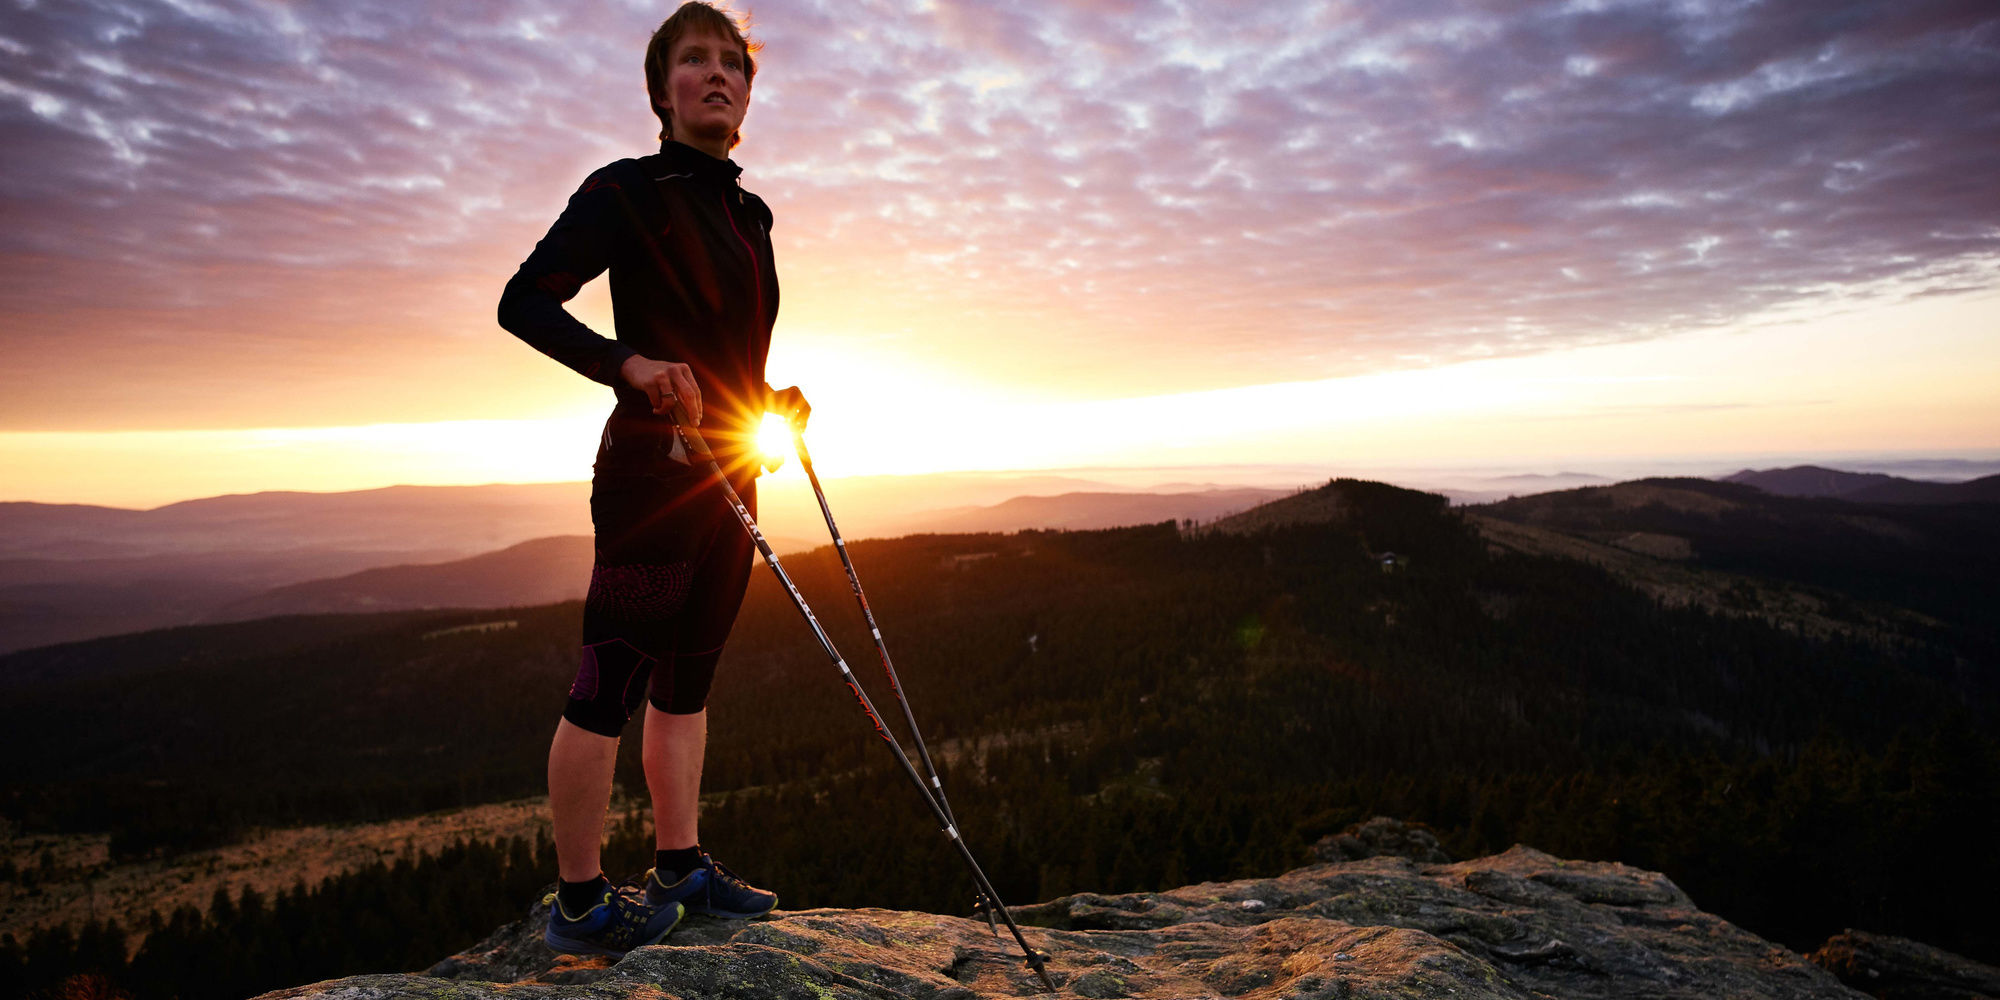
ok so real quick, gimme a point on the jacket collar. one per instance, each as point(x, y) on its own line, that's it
point(683, 158)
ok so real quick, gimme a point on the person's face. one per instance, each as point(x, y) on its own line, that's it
point(707, 93)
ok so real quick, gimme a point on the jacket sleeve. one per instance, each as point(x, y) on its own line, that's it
point(577, 248)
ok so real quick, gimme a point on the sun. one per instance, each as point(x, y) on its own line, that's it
point(774, 438)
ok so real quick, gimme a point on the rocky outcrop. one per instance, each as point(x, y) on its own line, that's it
point(1382, 836)
point(1893, 968)
point(1521, 924)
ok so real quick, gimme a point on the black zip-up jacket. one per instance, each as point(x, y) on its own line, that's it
point(692, 280)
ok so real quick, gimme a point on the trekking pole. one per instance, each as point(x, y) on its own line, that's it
point(698, 451)
point(881, 647)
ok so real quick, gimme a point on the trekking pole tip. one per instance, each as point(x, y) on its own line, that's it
point(983, 907)
point(1036, 961)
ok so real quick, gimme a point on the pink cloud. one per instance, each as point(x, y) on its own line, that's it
point(1156, 197)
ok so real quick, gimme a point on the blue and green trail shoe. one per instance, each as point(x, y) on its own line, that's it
point(711, 889)
point(620, 922)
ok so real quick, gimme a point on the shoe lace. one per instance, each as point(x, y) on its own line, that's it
point(730, 877)
point(629, 914)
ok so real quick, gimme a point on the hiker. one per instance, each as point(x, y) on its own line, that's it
point(693, 294)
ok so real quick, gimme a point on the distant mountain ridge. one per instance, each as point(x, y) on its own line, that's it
point(460, 519)
point(1320, 505)
point(541, 571)
point(70, 572)
point(547, 570)
point(1866, 487)
point(1088, 511)
point(73, 571)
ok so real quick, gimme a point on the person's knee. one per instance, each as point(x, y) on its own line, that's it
point(595, 718)
point(682, 689)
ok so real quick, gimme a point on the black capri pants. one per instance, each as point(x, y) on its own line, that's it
point(672, 564)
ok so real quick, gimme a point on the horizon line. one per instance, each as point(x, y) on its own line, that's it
point(1313, 473)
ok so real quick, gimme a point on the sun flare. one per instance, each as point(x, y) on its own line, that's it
point(774, 437)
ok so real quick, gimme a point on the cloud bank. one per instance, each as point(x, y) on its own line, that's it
point(239, 211)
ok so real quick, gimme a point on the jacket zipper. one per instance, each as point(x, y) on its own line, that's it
point(756, 266)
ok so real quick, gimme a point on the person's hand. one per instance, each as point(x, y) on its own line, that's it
point(664, 383)
point(791, 404)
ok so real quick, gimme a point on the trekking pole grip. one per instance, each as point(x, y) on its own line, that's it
point(697, 448)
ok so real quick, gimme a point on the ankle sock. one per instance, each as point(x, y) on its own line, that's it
point(679, 862)
point(576, 897)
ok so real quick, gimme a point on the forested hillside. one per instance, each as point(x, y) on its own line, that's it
point(1938, 559)
point(1113, 710)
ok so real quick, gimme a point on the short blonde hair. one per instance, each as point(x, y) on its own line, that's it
point(693, 17)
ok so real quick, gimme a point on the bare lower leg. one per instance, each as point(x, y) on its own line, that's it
point(580, 767)
point(674, 746)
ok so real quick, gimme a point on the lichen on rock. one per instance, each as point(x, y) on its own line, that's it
point(1517, 925)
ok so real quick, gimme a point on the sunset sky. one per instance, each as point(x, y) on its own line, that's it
point(259, 245)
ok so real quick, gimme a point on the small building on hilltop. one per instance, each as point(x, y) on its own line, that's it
point(964, 559)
